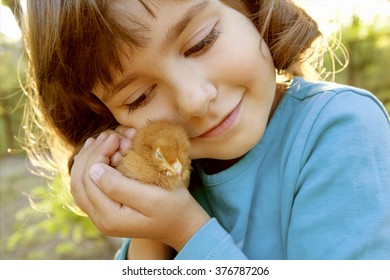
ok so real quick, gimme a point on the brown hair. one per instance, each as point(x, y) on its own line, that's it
point(73, 45)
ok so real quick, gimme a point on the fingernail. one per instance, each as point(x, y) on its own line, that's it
point(88, 142)
point(126, 145)
point(130, 133)
point(102, 136)
point(96, 171)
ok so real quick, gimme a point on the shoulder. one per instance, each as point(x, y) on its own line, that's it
point(329, 118)
point(303, 90)
point(332, 100)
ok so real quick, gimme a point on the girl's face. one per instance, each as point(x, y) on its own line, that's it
point(204, 66)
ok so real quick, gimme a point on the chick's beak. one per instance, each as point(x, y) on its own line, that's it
point(177, 168)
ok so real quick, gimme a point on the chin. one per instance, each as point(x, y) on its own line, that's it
point(236, 148)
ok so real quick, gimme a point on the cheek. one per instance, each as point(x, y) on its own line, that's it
point(242, 56)
point(136, 121)
point(258, 62)
point(123, 117)
point(156, 109)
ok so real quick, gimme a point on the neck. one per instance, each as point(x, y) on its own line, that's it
point(213, 166)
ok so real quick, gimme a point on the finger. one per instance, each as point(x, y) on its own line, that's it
point(89, 142)
point(125, 145)
point(101, 149)
point(91, 145)
point(78, 192)
point(116, 159)
point(76, 175)
point(123, 189)
point(98, 150)
point(77, 150)
point(128, 132)
point(115, 219)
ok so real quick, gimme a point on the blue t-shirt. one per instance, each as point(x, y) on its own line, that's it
point(316, 186)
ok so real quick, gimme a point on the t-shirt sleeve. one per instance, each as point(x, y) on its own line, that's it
point(121, 254)
point(211, 242)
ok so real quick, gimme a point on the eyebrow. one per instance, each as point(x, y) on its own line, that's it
point(118, 87)
point(174, 32)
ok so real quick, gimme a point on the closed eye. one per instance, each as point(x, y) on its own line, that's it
point(204, 44)
point(142, 100)
point(159, 155)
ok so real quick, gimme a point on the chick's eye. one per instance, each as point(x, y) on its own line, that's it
point(159, 155)
point(204, 44)
point(142, 100)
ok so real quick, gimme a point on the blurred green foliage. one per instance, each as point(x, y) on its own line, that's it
point(11, 96)
point(47, 220)
point(45, 228)
point(368, 47)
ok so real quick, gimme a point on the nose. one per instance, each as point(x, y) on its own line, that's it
point(193, 94)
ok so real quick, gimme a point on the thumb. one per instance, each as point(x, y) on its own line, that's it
point(116, 186)
point(96, 172)
point(109, 180)
point(107, 177)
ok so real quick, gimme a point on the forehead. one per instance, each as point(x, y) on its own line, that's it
point(147, 21)
point(146, 10)
point(153, 15)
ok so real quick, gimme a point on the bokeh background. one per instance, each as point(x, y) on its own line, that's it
point(34, 222)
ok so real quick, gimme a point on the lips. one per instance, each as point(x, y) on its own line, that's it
point(224, 125)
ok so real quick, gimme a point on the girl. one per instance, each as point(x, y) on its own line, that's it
point(284, 168)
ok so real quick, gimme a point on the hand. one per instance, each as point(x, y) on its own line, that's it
point(119, 143)
point(94, 151)
point(120, 206)
point(126, 137)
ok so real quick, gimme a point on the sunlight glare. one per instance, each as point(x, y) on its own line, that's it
point(330, 14)
point(8, 24)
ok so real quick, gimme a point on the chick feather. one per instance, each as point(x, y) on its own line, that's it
point(160, 156)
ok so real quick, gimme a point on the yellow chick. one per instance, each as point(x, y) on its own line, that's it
point(160, 156)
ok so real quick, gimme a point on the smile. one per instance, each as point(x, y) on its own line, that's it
point(224, 125)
